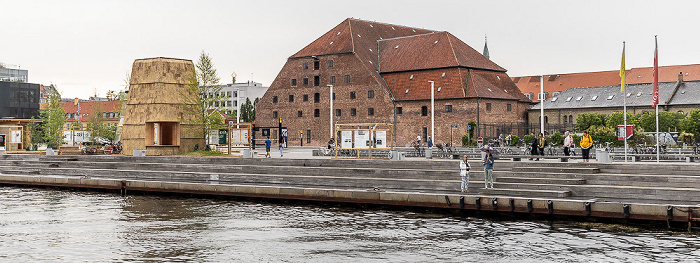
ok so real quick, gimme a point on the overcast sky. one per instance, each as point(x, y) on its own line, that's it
point(88, 46)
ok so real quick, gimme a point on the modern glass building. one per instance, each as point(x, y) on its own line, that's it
point(19, 100)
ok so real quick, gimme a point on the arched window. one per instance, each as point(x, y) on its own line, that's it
point(424, 111)
point(546, 120)
point(571, 119)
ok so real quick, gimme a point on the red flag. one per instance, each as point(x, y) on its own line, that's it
point(655, 93)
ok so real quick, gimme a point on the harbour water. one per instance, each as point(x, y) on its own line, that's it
point(44, 225)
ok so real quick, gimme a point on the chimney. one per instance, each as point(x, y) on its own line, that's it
point(680, 77)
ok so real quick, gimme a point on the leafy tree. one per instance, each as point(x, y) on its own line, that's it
point(668, 121)
point(617, 118)
point(691, 124)
point(556, 138)
point(514, 140)
point(247, 111)
point(54, 118)
point(97, 124)
point(207, 103)
point(585, 120)
point(527, 138)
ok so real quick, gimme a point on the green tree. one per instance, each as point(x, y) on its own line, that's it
point(247, 111)
point(208, 101)
point(97, 124)
point(556, 138)
point(668, 121)
point(691, 123)
point(54, 118)
point(585, 120)
point(617, 118)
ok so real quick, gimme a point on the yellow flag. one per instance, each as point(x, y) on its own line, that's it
point(622, 69)
point(76, 101)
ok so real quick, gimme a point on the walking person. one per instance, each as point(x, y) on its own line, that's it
point(281, 148)
point(488, 169)
point(586, 144)
point(568, 142)
point(464, 173)
point(533, 146)
point(430, 142)
point(268, 144)
point(541, 142)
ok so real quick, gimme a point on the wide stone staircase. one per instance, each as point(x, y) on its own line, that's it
point(648, 182)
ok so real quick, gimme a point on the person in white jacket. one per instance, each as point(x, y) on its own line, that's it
point(568, 143)
point(464, 173)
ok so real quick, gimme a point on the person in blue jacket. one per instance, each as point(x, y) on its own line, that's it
point(268, 144)
point(488, 169)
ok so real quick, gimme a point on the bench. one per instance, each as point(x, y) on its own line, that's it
point(517, 158)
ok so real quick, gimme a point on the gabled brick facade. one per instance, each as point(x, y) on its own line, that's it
point(379, 69)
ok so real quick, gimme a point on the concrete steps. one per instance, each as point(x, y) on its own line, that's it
point(525, 192)
point(550, 180)
point(559, 169)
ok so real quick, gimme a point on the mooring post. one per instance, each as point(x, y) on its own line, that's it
point(123, 190)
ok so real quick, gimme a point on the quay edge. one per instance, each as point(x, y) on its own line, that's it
point(499, 204)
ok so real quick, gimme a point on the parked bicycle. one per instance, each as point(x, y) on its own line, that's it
point(417, 149)
point(552, 149)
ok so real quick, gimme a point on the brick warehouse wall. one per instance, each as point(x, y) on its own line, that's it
point(361, 82)
point(410, 122)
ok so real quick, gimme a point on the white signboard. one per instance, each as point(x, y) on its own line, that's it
point(214, 137)
point(362, 139)
point(239, 136)
point(16, 137)
point(381, 139)
point(346, 137)
point(75, 136)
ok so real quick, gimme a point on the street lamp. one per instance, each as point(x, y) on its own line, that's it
point(331, 102)
point(238, 106)
point(432, 110)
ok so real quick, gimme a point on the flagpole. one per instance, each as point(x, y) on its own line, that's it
point(657, 133)
point(655, 95)
point(624, 97)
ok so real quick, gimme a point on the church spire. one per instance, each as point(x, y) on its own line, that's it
point(486, 48)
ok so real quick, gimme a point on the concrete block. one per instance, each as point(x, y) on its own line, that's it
point(267, 190)
point(425, 198)
point(244, 189)
point(135, 184)
point(292, 191)
point(225, 188)
point(648, 209)
point(366, 195)
point(152, 185)
point(398, 197)
point(346, 194)
point(316, 193)
point(607, 207)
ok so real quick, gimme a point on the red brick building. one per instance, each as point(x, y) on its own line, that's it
point(380, 73)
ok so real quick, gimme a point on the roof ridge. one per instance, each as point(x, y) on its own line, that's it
point(424, 34)
point(452, 48)
point(388, 24)
point(352, 38)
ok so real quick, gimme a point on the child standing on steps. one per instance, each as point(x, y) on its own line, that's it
point(464, 173)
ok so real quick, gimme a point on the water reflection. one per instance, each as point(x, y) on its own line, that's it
point(48, 225)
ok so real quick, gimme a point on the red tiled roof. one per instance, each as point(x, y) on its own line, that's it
point(457, 83)
point(429, 51)
point(88, 107)
point(426, 54)
point(561, 82)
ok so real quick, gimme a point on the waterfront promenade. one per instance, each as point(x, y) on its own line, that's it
point(646, 191)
